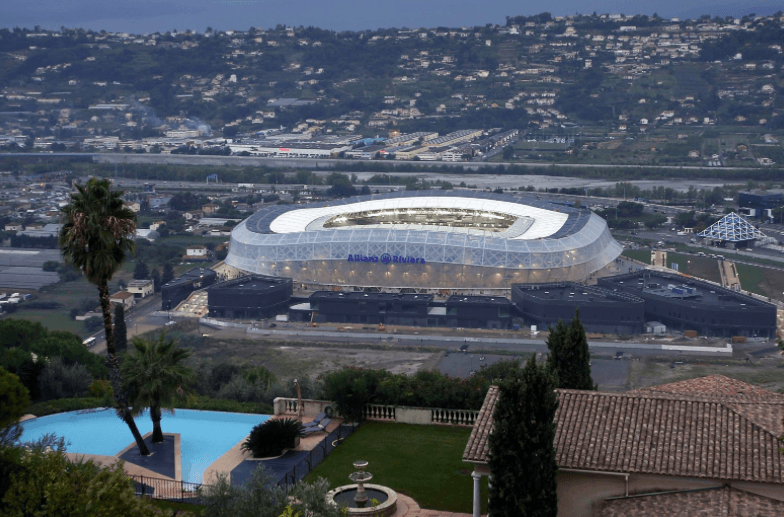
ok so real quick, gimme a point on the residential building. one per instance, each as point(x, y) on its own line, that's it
point(140, 288)
point(698, 434)
point(123, 298)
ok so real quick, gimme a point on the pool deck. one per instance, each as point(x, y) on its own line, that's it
point(165, 458)
point(235, 456)
point(108, 461)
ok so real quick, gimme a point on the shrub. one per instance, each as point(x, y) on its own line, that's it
point(352, 388)
point(51, 265)
point(93, 323)
point(260, 496)
point(271, 437)
point(59, 380)
point(64, 405)
point(229, 406)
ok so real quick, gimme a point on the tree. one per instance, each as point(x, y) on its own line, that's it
point(569, 357)
point(14, 398)
point(508, 152)
point(141, 271)
point(47, 484)
point(156, 280)
point(168, 274)
point(522, 454)
point(120, 330)
point(154, 373)
point(97, 233)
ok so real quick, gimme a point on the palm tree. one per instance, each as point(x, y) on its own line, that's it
point(98, 231)
point(153, 372)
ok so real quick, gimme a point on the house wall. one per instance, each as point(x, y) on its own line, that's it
point(582, 494)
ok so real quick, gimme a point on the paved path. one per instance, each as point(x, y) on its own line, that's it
point(407, 507)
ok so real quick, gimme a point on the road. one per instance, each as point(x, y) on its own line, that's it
point(257, 161)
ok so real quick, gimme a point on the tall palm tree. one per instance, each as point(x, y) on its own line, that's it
point(153, 372)
point(98, 231)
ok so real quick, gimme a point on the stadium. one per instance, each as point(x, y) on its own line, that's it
point(424, 240)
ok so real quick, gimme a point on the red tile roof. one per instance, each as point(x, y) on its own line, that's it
point(717, 385)
point(477, 447)
point(724, 501)
point(657, 433)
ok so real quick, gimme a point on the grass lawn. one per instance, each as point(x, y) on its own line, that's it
point(56, 319)
point(750, 278)
point(171, 507)
point(641, 255)
point(421, 461)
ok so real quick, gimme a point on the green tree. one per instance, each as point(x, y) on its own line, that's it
point(97, 233)
point(569, 358)
point(522, 454)
point(154, 373)
point(141, 271)
point(508, 153)
point(156, 280)
point(120, 330)
point(168, 274)
point(14, 398)
point(47, 484)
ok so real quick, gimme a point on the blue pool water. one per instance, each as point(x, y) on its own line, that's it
point(204, 435)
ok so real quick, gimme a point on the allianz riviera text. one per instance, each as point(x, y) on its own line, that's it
point(386, 258)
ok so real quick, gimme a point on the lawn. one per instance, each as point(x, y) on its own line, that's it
point(421, 461)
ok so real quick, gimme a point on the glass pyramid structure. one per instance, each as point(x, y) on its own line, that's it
point(732, 228)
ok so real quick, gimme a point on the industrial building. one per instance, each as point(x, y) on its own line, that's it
point(249, 297)
point(601, 310)
point(685, 303)
point(437, 240)
point(759, 204)
point(177, 290)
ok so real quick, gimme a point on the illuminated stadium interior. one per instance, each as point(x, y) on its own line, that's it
point(450, 217)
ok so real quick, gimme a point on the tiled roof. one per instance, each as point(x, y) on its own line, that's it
point(657, 433)
point(717, 385)
point(477, 448)
point(724, 501)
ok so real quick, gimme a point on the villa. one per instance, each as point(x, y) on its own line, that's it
point(709, 443)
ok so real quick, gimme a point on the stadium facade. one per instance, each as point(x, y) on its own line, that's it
point(424, 240)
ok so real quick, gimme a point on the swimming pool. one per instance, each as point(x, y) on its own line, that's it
point(204, 435)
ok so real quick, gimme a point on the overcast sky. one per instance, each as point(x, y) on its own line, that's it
point(141, 16)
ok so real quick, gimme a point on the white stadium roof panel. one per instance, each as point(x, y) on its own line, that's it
point(545, 222)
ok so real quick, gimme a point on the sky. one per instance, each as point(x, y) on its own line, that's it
point(146, 16)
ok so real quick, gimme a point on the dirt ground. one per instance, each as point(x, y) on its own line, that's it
point(766, 372)
point(291, 359)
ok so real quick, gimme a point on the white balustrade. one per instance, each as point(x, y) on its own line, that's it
point(386, 413)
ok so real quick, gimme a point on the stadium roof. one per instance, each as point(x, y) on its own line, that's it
point(732, 228)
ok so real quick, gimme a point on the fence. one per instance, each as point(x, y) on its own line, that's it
point(315, 456)
point(168, 489)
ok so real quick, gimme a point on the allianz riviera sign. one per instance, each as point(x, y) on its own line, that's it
point(386, 258)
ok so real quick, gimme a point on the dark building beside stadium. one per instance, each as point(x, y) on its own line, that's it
point(371, 308)
point(250, 297)
point(688, 304)
point(176, 291)
point(418, 310)
point(601, 310)
point(488, 312)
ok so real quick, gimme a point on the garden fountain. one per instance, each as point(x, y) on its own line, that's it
point(362, 498)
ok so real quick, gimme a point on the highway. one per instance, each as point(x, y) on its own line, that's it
point(258, 161)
